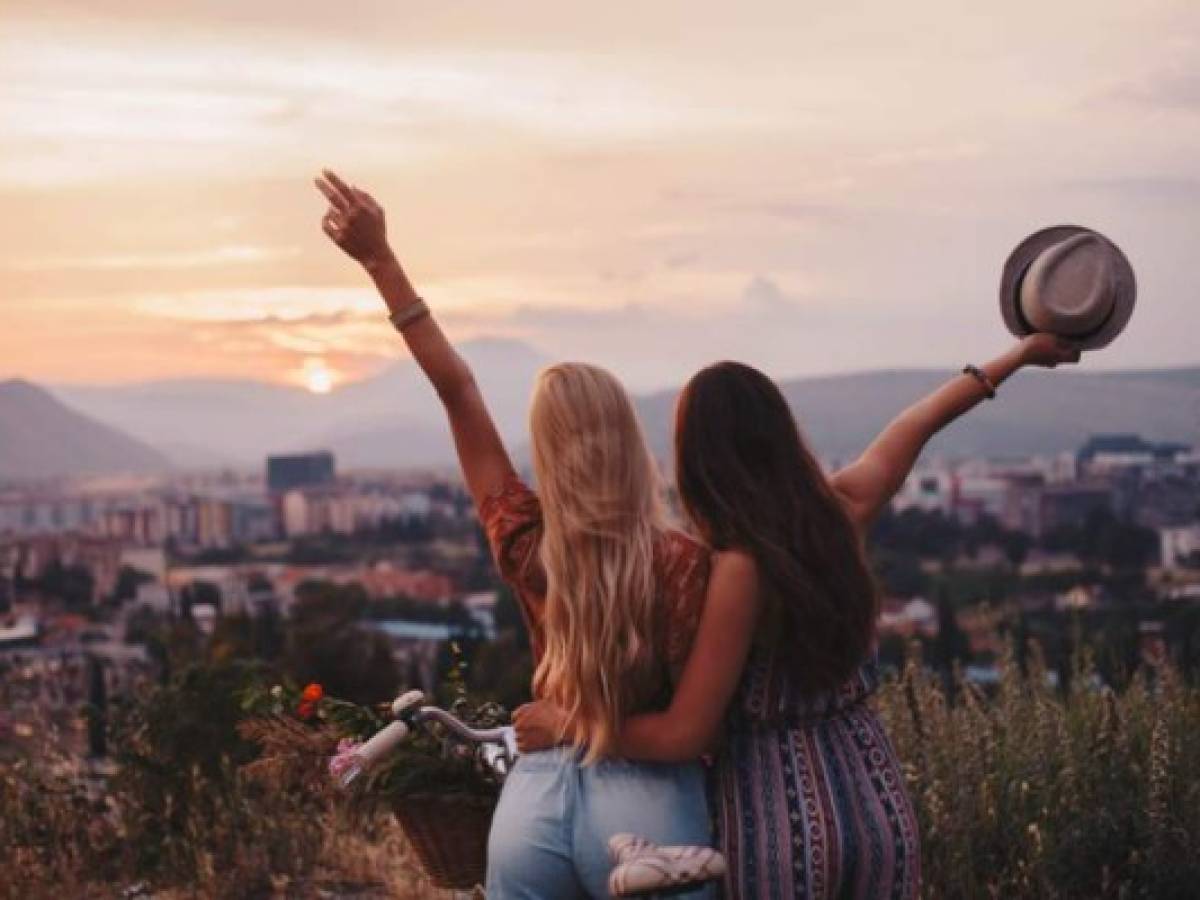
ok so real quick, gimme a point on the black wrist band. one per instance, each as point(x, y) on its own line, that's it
point(979, 375)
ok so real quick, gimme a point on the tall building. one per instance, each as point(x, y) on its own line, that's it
point(301, 470)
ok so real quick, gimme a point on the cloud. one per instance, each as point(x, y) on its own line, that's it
point(267, 305)
point(809, 206)
point(233, 255)
point(1181, 189)
point(764, 295)
point(1173, 88)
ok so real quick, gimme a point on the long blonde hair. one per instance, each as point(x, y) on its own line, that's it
point(603, 515)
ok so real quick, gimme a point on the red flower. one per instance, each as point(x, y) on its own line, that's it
point(312, 693)
point(305, 710)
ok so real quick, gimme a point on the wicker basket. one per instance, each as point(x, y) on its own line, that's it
point(449, 834)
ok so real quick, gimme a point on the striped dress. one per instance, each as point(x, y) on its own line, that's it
point(809, 795)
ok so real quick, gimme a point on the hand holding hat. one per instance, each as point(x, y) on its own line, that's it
point(1070, 282)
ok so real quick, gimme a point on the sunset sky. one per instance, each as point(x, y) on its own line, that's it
point(649, 185)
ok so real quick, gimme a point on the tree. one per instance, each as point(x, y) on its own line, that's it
point(951, 644)
point(899, 574)
point(128, 581)
point(97, 709)
point(72, 585)
point(199, 593)
point(326, 644)
point(509, 619)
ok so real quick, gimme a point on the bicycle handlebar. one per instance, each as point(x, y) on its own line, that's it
point(497, 746)
point(461, 729)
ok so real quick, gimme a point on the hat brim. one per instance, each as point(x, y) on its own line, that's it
point(1028, 250)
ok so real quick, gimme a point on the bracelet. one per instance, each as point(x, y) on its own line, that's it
point(979, 375)
point(402, 318)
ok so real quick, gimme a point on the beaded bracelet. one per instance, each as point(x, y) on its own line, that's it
point(979, 375)
point(402, 318)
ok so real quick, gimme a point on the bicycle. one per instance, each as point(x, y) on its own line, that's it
point(640, 868)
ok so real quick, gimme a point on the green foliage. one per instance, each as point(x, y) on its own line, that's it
point(325, 644)
point(1104, 539)
point(70, 585)
point(950, 647)
point(1028, 792)
point(431, 760)
point(128, 580)
point(434, 762)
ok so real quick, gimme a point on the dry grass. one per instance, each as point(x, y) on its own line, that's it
point(1038, 793)
point(1027, 792)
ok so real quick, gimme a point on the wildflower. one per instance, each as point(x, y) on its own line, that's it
point(312, 693)
point(346, 749)
point(277, 691)
point(309, 699)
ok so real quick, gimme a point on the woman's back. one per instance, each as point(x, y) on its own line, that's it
point(512, 520)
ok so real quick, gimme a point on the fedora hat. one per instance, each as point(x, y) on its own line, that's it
point(1068, 281)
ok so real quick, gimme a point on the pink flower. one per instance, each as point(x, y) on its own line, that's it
point(344, 759)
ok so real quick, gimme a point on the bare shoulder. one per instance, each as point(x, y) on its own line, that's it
point(735, 569)
point(735, 563)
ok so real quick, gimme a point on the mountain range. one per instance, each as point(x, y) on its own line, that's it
point(40, 437)
point(394, 419)
point(1038, 411)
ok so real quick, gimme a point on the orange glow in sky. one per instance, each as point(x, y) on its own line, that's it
point(810, 187)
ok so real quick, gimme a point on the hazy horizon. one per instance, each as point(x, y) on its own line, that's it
point(648, 186)
point(641, 390)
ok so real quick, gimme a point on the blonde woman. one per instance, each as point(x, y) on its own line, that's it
point(611, 594)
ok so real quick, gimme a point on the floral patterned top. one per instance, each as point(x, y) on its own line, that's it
point(512, 520)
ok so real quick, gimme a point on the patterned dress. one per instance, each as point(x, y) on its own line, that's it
point(809, 795)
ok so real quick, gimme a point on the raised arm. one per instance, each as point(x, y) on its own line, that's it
point(690, 725)
point(355, 222)
point(867, 485)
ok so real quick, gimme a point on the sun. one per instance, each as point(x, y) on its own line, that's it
point(318, 377)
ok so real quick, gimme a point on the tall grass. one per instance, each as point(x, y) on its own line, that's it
point(1034, 792)
point(1025, 792)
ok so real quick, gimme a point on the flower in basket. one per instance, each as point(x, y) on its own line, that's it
point(309, 698)
point(345, 757)
point(442, 792)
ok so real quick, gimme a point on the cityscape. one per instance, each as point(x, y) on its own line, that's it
point(972, 552)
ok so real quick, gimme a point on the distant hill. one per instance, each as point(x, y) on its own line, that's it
point(40, 437)
point(1038, 411)
point(206, 421)
point(392, 419)
point(395, 420)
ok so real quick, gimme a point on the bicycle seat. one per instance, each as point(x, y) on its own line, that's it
point(642, 867)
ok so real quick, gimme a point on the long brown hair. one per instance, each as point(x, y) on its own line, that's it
point(748, 481)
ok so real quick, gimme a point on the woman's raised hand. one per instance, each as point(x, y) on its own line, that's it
point(354, 221)
point(1048, 350)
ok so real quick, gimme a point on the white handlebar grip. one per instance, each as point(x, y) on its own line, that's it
point(406, 701)
point(378, 747)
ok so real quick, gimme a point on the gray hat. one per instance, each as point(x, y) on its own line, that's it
point(1068, 281)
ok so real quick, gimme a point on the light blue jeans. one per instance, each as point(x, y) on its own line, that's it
point(549, 838)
